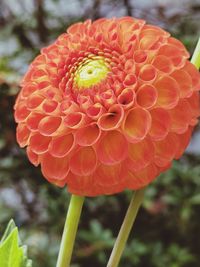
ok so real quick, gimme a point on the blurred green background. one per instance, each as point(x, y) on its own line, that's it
point(167, 230)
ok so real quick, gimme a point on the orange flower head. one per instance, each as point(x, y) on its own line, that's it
point(108, 106)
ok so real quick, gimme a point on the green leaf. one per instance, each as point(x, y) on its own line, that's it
point(10, 227)
point(12, 254)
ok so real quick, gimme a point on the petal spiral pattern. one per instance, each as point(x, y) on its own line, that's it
point(108, 106)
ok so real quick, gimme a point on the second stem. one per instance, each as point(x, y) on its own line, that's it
point(126, 228)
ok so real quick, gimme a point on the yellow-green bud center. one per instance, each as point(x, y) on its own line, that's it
point(91, 72)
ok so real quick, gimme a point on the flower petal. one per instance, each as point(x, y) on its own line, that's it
point(141, 154)
point(33, 120)
point(74, 120)
point(106, 175)
point(194, 74)
point(54, 168)
point(49, 125)
point(81, 185)
point(185, 82)
point(141, 178)
point(60, 146)
point(163, 64)
point(137, 124)
point(147, 73)
point(84, 161)
point(184, 140)
point(180, 116)
point(21, 112)
point(34, 101)
point(146, 96)
point(39, 144)
point(33, 157)
point(160, 124)
point(88, 135)
point(126, 98)
point(23, 134)
point(111, 120)
point(166, 150)
point(112, 148)
point(168, 92)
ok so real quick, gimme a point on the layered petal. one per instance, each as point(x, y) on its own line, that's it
point(112, 148)
point(54, 168)
point(84, 161)
point(108, 106)
point(137, 124)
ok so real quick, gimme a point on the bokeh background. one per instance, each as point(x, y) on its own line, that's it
point(167, 230)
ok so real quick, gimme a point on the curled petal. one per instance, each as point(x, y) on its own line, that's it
point(74, 120)
point(180, 119)
point(60, 146)
point(68, 106)
point(130, 80)
point(106, 175)
point(147, 96)
point(54, 168)
point(168, 92)
point(39, 144)
point(111, 120)
point(175, 42)
point(88, 135)
point(126, 98)
point(33, 120)
point(108, 98)
point(84, 161)
point(137, 124)
point(194, 74)
point(39, 75)
point(166, 150)
point(23, 134)
point(184, 140)
point(140, 56)
point(160, 124)
point(84, 101)
point(130, 66)
point(112, 148)
point(34, 101)
point(163, 64)
point(140, 154)
point(75, 28)
point(49, 106)
point(33, 157)
point(141, 178)
point(21, 112)
point(194, 102)
point(185, 82)
point(151, 37)
point(29, 89)
point(147, 73)
point(177, 56)
point(49, 125)
point(95, 111)
point(81, 185)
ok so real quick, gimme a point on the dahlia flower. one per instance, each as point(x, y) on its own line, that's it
point(108, 106)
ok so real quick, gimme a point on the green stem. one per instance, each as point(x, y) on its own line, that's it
point(126, 228)
point(70, 229)
point(196, 56)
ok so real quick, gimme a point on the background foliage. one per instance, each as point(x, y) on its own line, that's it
point(166, 232)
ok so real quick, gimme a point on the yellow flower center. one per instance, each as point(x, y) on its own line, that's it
point(91, 72)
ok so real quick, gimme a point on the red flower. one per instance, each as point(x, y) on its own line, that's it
point(108, 106)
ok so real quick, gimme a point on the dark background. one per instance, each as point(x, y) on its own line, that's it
point(167, 230)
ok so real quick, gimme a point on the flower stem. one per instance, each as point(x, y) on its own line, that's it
point(70, 229)
point(196, 56)
point(126, 228)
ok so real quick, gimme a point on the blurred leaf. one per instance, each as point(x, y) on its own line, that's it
point(11, 253)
